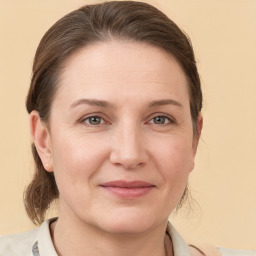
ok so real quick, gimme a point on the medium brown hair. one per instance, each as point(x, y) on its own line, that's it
point(125, 20)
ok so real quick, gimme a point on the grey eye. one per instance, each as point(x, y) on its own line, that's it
point(93, 120)
point(160, 120)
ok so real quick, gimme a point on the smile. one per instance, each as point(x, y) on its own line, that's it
point(128, 190)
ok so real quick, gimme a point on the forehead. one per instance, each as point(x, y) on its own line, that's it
point(123, 68)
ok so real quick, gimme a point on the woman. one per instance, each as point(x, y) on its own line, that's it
point(115, 115)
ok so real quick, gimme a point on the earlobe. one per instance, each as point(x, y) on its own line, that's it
point(41, 138)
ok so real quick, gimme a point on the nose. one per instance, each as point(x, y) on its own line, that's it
point(128, 147)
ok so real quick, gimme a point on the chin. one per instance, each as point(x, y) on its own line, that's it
point(128, 222)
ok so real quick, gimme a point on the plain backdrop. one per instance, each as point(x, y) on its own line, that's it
point(223, 33)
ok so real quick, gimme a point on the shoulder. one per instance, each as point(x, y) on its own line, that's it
point(209, 250)
point(182, 248)
point(231, 252)
point(37, 240)
point(18, 244)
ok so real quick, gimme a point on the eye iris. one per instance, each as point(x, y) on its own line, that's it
point(94, 120)
point(159, 119)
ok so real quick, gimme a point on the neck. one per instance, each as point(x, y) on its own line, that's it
point(79, 239)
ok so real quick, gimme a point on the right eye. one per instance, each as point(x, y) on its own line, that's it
point(94, 120)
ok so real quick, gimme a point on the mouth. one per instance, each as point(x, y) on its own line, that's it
point(128, 189)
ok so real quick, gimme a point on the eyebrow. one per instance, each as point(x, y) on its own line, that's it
point(105, 104)
point(157, 103)
point(92, 102)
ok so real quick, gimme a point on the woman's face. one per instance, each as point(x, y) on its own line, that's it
point(121, 137)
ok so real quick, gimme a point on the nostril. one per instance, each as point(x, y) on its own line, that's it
point(133, 166)
point(125, 162)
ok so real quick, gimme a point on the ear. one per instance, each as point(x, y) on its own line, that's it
point(196, 137)
point(42, 140)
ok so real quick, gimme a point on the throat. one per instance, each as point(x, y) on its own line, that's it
point(96, 243)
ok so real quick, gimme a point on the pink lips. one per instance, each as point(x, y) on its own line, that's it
point(128, 190)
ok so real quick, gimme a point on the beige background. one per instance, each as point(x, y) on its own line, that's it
point(223, 33)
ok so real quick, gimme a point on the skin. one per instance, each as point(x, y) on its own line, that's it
point(143, 131)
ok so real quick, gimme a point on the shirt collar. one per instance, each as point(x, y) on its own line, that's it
point(43, 245)
point(180, 248)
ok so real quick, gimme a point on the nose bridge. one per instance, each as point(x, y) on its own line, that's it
point(128, 148)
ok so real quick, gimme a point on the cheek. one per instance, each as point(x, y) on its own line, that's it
point(173, 158)
point(175, 153)
point(77, 159)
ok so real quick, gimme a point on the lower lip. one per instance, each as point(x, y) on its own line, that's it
point(128, 193)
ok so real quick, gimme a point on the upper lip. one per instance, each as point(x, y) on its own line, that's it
point(127, 184)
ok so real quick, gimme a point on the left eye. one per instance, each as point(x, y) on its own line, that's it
point(160, 120)
point(94, 120)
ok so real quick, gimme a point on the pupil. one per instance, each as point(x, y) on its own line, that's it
point(159, 120)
